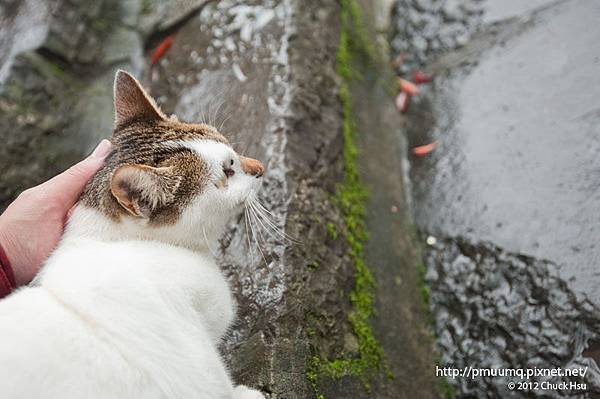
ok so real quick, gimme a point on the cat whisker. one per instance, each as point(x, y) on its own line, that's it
point(254, 230)
point(247, 229)
point(261, 212)
point(265, 215)
point(260, 222)
point(274, 233)
point(207, 244)
point(214, 112)
point(209, 114)
point(223, 122)
point(223, 117)
point(217, 112)
point(261, 206)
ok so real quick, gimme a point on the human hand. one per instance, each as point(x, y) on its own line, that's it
point(32, 225)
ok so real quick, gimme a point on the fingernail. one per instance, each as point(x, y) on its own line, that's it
point(102, 149)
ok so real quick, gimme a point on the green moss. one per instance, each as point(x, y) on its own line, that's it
point(422, 283)
point(314, 367)
point(444, 388)
point(58, 70)
point(147, 6)
point(100, 25)
point(332, 231)
point(421, 272)
point(354, 48)
point(355, 44)
point(447, 390)
point(313, 265)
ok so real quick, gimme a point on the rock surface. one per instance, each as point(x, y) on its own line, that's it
point(265, 73)
point(56, 101)
point(499, 310)
point(512, 169)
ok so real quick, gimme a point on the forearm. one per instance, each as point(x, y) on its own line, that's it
point(19, 248)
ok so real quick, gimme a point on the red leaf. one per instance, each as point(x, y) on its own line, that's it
point(421, 77)
point(423, 150)
point(161, 49)
point(408, 87)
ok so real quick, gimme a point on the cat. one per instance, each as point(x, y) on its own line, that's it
point(131, 304)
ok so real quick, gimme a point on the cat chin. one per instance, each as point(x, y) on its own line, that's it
point(242, 202)
point(238, 208)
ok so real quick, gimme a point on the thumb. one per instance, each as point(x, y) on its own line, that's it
point(67, 186)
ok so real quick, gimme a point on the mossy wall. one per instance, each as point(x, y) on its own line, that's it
point(354, 54)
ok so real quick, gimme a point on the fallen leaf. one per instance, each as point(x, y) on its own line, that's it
point(408, 87)
point(421, 77)
point(161, 49)
point(423, 150)
point(402, 100)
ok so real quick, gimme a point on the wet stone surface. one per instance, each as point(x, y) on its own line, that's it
point(515, 167)
point(423, 29)
point(515, 111)
point(499, 310)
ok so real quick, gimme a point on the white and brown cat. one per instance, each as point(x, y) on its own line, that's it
point(132, 304)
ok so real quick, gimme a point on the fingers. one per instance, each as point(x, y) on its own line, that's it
point(101, 150)
point(67, 186)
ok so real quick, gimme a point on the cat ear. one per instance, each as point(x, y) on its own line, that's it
point(132, 103)
point(142, 189)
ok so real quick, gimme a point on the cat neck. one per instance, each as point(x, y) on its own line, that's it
point(89, 223)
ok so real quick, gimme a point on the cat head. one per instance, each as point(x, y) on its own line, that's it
point(165, 179)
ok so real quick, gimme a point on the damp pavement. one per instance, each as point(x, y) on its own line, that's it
point(510, 199)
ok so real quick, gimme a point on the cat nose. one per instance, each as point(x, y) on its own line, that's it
point(252, 166)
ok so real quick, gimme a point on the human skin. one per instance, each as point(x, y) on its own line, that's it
point(33, 224)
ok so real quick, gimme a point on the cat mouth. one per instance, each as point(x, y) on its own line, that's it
point(222, 183)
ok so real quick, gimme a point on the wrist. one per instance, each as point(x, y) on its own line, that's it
point(8, 277)
point(11, 257)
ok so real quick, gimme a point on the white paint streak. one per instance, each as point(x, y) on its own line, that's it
point(237, 71)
